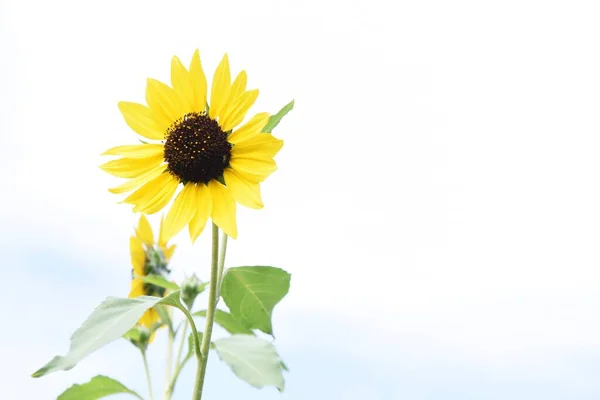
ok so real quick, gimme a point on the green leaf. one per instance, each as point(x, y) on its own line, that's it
point(108, 322)
point(165, 319)
point(229, 323)
point(252, 359)
point(202, 287)
point(133, 334)
point(274, 119)
point(251, 293)
point(100, 386)
point(159, 281)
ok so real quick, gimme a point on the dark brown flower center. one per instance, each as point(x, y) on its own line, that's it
point(196, 149)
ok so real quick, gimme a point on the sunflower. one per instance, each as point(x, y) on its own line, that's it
point(148, 257)
point(199, 146)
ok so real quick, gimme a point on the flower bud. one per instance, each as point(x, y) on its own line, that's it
point(139, 336)
point(191, 287)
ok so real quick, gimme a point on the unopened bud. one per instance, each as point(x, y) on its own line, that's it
point(190, 288)
point(139, 336)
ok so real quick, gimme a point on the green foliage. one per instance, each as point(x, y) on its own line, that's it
point(165, 319)
point(275, 119)
point(160, 281)
point(108, 322)
point(251, 293)
point(100, 386)
point(252, 359)
point(227, 321)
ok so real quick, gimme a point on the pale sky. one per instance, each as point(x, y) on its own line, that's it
point(437, 198)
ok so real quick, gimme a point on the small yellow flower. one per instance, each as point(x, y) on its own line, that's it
point(196, 146)
point(148, 257)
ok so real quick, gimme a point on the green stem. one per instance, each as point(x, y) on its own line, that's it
point(183, 339)
point(178, 363)
point(221, 263)
point(148, 379)
point(169, 364)
point(178, 369)
point(210, 316)
point(194, 333)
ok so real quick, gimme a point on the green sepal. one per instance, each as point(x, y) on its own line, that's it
point(275, 119)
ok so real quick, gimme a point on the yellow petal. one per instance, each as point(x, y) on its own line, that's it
point(141, 120)
point(160, 200)
point(223, 208)
point(203, 210)
point(220, 88)
point(153, 101)
point(153, 195)
point(181, 212)
point(149, 318)
point(180, 80)
point(244, 192)
point(146, 191)
point(136, 150)
point(138, 256)
point(259, 169)
point(144, 231)
point(198, 81)
point(249, 129)
point(238, 87)
point(137, 288)
point(254, 178)
point(166, 99)
point(131, 167)
point(263, 145)
point(140, 180)
point(238, 110)
point(162, 241)
point(168, 251)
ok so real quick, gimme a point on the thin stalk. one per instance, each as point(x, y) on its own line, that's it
point(178, 363)
point(221, 263)
point(169, 364)
point(182, 342)
point(148, 379)
point(210, 316)
point(178, 369)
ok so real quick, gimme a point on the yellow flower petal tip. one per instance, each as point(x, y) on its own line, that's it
point(143, 247)
point(197, 150)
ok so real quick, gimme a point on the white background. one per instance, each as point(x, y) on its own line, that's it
point(436, 200)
